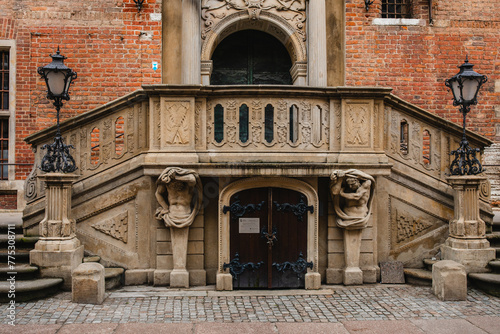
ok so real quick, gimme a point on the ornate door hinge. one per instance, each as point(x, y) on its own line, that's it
point(298, 266)
point(237, 210)
point(236, 268)
point(298, 209)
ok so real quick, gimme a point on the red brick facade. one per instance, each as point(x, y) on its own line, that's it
point(8, 201)
point(111, 46)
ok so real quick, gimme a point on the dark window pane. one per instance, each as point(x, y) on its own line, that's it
point(218, 123)
point(244, 123)
point(269, 123)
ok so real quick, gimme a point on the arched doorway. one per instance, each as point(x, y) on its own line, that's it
point(251, 57)
point(299, 194)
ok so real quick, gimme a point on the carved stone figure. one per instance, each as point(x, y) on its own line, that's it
point(182, 203)
point(352, 192)
point(179, 193)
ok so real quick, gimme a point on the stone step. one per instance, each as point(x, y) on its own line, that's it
point(417, 276)
point(19, 241)
point(493, 238)
point(7, 225)
point(114, 277)
point(92, 258)
point(428, 263)
point(22, 255)
point(489, 282)
point(22, 271)
point(495, 265)
point(29, 290)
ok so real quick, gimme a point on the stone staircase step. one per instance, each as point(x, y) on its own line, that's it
point(6, 225)
point(417, 276)
point(22, 255)
point(489, 282)
point(93, 258)
point(23, 271)
point(29, 290)
point(495, 265)
point(428, 263)
point(114, 277)
point(20, 240)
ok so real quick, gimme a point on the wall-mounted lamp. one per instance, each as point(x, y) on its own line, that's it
point(368, 3)
point(139, 4)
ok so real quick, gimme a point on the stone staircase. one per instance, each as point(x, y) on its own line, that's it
point(490, 282)
point(28, 284)
point(420, 276)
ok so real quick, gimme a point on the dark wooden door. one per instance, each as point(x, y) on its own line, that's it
point(268, 228)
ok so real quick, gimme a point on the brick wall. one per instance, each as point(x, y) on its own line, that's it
point(108, 43)
point(415, 60)
point(8, 201)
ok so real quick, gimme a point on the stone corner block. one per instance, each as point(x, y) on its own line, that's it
point(353, 276)
point(449, 280)
point(224, 282)
point(88, 283)
point(313, 281)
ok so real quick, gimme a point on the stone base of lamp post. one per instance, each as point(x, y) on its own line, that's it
point(467, 242)
point(58, 252)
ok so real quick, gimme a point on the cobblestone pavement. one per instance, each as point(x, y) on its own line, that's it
point(332, 304)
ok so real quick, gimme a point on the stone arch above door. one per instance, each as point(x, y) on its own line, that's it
point(224, 279)
point(276, 26)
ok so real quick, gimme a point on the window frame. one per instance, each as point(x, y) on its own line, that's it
point(10, 46)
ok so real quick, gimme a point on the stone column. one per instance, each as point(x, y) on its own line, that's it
point(191, 42)
point(467, 242)
point(317, 43)
point(58, 252)
point(353, 275)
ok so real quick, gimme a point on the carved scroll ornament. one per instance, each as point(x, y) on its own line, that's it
point(179, 192)
point(293, 11)
point(352, 192)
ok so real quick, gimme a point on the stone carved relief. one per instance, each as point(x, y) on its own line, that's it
point(352, 191)
point(176, 123)
point(416, 143)
point(30, 187)
point(179, 193)
point(408, 226)
point(409, 223)
point(281, 124)
point(357, 125)
point(292, 11)
point(116, 227)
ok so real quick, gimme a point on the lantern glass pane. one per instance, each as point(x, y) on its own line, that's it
point(470, 89)
point(456, 90)
point(55, 81)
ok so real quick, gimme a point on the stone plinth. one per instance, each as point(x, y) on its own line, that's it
point(353, 275)
point(467, 242)
point(88, 283)
point(58, 252)
point(449, 280)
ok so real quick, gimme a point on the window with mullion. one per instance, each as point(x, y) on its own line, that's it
point(4, 80)
point(396, 9)
point(4, 148)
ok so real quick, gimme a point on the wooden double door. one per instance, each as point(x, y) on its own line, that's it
point(268, 245)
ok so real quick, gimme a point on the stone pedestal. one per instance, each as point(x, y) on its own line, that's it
point(58, 252)
point(353, 274)
point(467, 242)
point(179, 277)
point(224, 282)
point(449, 280)
point(88, 284)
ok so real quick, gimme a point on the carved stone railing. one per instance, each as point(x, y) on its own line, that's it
point(211, 126)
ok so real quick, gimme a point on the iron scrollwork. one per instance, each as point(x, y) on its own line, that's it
point(237, 268)
point(298, 266)
point(237, 210)
point(298, 209)
point(271, 237)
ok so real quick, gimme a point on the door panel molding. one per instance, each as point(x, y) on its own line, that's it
point(224, 278)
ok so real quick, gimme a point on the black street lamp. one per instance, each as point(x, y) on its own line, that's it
point(465, 85)
point(58, 78)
